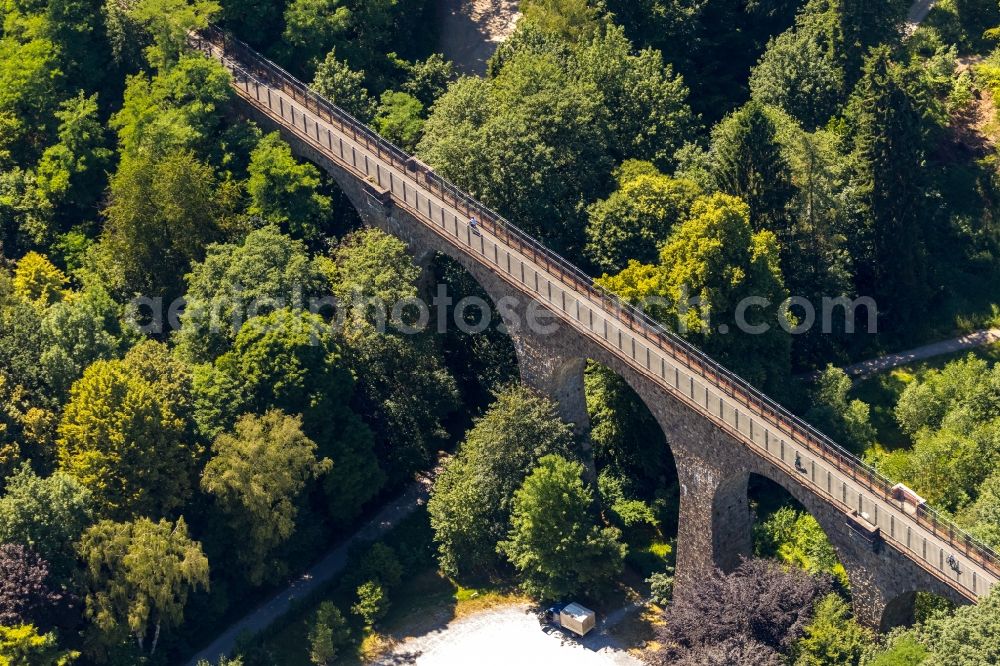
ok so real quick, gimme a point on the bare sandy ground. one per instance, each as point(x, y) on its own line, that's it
point(472, 29)
point(505, 636)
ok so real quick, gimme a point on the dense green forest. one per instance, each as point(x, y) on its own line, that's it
point(157, 480)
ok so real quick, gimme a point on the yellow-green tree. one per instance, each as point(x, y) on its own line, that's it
point(257, 475)
point(22, 645)
point(38, 281)
point(138, 577)
point(637, 218)
point(126, 435)
point(720, 285)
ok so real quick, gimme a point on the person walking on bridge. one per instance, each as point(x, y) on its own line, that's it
point(474, 225)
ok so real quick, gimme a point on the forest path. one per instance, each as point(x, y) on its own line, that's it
point(471, 30)
point(889, 361)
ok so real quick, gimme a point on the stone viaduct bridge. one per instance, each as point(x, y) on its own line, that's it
point(719, 428)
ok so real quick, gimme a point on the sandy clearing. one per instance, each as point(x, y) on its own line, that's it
point(504, 636)
point(472, 29)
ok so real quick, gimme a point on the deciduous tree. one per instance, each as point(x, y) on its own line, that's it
point(47, 515)
point(637, 218)
point(257, 475)
point(555, 542)
point(286, 192)
point(139, 575)
point(709, 266)
point(25, 593)
point(126, 433)
point(472, 499)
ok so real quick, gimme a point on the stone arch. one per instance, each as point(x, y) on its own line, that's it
point(900, 611)
point(771, 496)
point(649, 458)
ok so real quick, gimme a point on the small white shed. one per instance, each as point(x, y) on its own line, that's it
point(577, 619)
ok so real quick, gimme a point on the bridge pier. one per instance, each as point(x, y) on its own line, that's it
point(714, 522)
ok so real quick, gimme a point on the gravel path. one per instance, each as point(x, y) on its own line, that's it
point(918, 12)
point(505, 636)
point(472, 29)
point(883, 363)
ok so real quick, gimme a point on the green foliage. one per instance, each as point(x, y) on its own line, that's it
point(953, 416)
point(832, 637)
point(257, 475)
point(637, 218)
point(971, 635)
point(169, 21)
point(372, 603)
point(370, 267)
point(797, 538)
point(984, 514)
point(747, 162)
point(847, 421)
point(328, 634)
point(71, 172)
point(267, 269)
point(648, 116)
point(364, 31)
point(966, 390)
point(378, 564)
point(405, 394)
point(555, 542)
point(180, 107)
point(716, 257)
point(290, 360)
point(799, 75)
point(163, 212)
point(399, 119)
point(37, 281)
point(313, 27)
point(903, 651)
point(336, 81)
point(223, 661)
point(570, 20)
point(472, 499)
point(78, 331)
point(126, 433)
point(139, 575)
point(887, 242)
point(403, 389)
point(661, 587)
point(285, 192)
point(47, 514)
point(528, 142)
point(29, 80)
point(428, 79)
point(22, 645)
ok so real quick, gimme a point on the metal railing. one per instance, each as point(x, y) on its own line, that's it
point(637, 321)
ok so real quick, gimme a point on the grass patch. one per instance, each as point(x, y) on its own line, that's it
point(882, 391)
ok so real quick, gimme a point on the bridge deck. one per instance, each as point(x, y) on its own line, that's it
point(825, 470)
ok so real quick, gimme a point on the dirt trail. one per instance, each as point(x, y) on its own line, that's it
point(472, 29)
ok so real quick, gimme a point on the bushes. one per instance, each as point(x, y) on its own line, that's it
point(372, 604)
point(328, 635)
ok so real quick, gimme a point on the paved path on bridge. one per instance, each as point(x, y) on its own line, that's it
point(691, 378)
point(320, 574)
point(890, 361)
